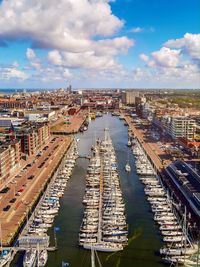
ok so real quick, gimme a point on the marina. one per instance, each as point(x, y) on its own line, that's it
point(145, 240)
point(99, 133)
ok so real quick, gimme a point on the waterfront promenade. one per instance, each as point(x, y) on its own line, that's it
point(158, 157)
point(27, 191)
point(70, 126)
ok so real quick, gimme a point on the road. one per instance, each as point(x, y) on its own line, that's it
point(25, 190)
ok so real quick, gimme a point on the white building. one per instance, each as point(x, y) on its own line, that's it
point(181, 126)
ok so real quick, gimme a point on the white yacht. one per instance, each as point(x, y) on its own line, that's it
point(129, 143)
point(30, 257)
point(127, 167)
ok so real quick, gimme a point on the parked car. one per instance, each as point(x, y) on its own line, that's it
point(31, 177)
point(6, 208)
point(5, 190)
point(13, 200)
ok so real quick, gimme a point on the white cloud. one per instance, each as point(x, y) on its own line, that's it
point(30, 54)
point(190, 44)
point(144, 57)
point(136, 29)
point(100, 56)
point(79, 33)
point(9, 73)
point(145, 29)
point(50, 74)
point(55, 57)
point(69, 25)
point(67, 73)
point(168, 67)
point(32, 58)
point(166, 57)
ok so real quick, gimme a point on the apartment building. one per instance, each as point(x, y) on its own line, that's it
point(128, 97)
point(181, 126)
point(10, 155)
point(33, 136)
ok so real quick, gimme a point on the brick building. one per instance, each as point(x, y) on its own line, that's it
point(33, 136)
point(10, 155)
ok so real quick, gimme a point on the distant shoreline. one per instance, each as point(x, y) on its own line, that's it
point(14, 91)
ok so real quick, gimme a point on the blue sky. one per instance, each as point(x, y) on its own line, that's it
point(122, 43)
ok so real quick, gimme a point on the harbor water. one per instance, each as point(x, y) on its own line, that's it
point(144, 238)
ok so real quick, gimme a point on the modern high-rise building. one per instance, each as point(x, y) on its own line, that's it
point(128, 97)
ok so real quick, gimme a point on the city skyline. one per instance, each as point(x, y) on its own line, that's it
point(144, 44)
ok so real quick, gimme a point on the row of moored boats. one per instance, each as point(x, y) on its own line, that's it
point(104, 225)
point(178, 248)
point(47, 210)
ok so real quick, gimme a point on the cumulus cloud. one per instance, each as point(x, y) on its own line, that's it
point(136, 29)
point(168, 65)
point(144, 57)
point(30, 54)
point(145, 29)
point(55, 57)
point(166, 57)
point(32, 58)
point(189, 44)
point(9, 73)
point(79, 34)
point(70, 25)
point(100, 56)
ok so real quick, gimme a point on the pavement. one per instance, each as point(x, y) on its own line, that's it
point(27, 191)
point(159, 158)
point(75, 122)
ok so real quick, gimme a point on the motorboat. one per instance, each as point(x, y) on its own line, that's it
point(129, 143)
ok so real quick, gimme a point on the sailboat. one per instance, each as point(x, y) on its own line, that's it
point(42, 257)
point(127, 166)
point(129, 143)
point(186, 255)
point(29, 259)
point(93, 252)
point(5, 255)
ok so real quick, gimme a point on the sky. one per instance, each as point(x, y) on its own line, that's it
point(100, 43)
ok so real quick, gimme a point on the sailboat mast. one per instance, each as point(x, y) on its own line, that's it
point(92, 257)
point(38, 255)
point(1, 237)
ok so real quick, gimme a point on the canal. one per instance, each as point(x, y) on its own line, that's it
point(144, 238)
